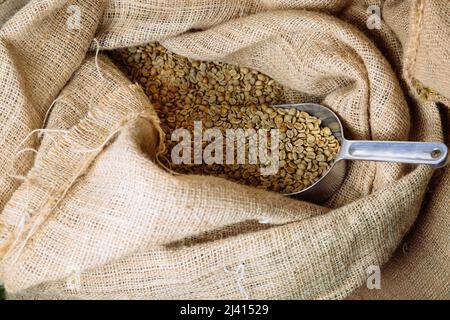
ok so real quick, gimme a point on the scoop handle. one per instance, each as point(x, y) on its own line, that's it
point(431, 153)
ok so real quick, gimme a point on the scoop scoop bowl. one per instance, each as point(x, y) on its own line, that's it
point(434, 154)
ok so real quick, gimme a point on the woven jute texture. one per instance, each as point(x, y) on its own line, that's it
point(9, 8)
point(86, 212)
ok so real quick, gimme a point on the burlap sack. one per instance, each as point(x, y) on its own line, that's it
point(9, 8)
point(90, 214)
point(420, 267)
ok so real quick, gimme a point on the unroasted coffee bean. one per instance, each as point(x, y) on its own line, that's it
point(225, 96)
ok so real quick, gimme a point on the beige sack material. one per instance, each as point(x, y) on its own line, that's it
point(90, 214)
point(9, 8)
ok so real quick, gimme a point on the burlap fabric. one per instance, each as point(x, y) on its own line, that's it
point(9, 8)
point(89, 214)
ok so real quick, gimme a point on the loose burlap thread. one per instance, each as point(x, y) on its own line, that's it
point(96, 217)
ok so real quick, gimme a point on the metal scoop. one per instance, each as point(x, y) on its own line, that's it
point(430, 153)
